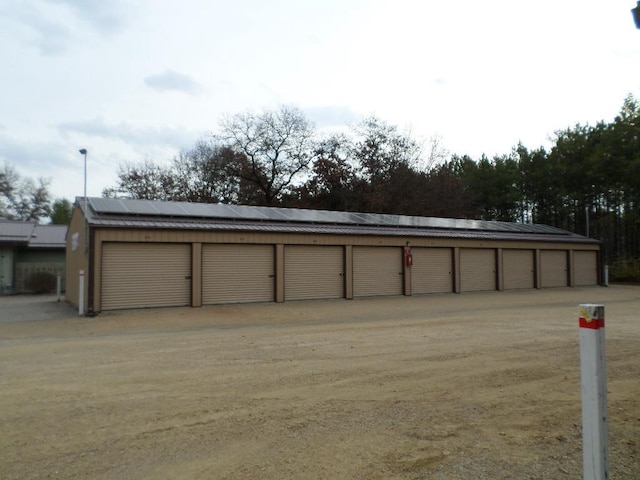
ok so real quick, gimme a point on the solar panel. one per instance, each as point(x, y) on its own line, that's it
point(246, 212)
point(107, 205)
point(197, 209)
point(169, 208)
point(114, 206)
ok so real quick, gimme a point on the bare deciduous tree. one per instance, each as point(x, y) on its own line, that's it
point(277, 146)
point(143, 181)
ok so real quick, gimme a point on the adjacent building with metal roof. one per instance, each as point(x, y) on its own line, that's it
point(140, 253)
point(27, 248)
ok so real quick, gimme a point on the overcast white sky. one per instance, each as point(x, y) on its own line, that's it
point(142, 79)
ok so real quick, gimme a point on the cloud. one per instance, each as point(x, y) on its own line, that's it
point(106, 16)
point(174, 137)
point(171, 80)
point(52, 25)
point(57, 158)
point(332, 116)
point(58, 163)
point(31, 158)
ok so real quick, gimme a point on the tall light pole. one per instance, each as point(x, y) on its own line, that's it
point(586, 219)
point(83, 151)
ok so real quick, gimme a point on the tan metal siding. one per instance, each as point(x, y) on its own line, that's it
point(237, 273)
point(477, 269)
point(518, 268)
point(432, 270)
point(377, 271)
point(272, 238)
point(585, 266)
point(138, 275)
point(76, 259)
point(313, 272)
point(553, 264)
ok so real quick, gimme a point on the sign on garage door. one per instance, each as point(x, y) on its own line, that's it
point(477, 269)
point(237, 273)
point(377, 271)
point(585, 266)
point(313, 272)
point(553, 265)
point(432, 270)
point(140, 275)
point(518, 268)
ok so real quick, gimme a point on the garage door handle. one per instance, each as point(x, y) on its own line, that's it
point(272, 276)
point(187, 277)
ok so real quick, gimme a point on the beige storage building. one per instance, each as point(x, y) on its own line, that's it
point(142, 254)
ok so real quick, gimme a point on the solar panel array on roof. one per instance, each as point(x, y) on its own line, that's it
point(148, 208)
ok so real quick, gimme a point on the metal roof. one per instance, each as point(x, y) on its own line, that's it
point(48, 236)
point(15, 233)
point(124, 213)
point(32, 235)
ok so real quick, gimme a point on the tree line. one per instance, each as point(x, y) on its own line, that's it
point(587, 182)
point(24, 199)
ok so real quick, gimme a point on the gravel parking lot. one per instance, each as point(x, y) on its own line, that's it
point(471, 386)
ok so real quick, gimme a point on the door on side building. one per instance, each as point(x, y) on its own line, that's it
point(377, 271)
point(237, 273)
point(6, 269)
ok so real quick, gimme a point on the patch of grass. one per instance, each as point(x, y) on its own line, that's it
point(625, 270)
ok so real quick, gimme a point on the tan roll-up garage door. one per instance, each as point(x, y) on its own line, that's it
point(585, 266)
point(377, 271)
point(477, 269)
point(432, 270)
point(313, 272)
point(553, 266)
point(237, 273)
point(142, 275)
point(518, 268)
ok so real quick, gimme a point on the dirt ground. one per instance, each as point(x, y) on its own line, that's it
point(471, 386)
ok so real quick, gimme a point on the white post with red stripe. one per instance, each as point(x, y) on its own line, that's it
point(595, 457)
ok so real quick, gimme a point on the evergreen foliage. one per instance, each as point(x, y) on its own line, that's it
point(588, 182)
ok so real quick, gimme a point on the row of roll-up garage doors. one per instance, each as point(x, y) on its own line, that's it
point(138, 275)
